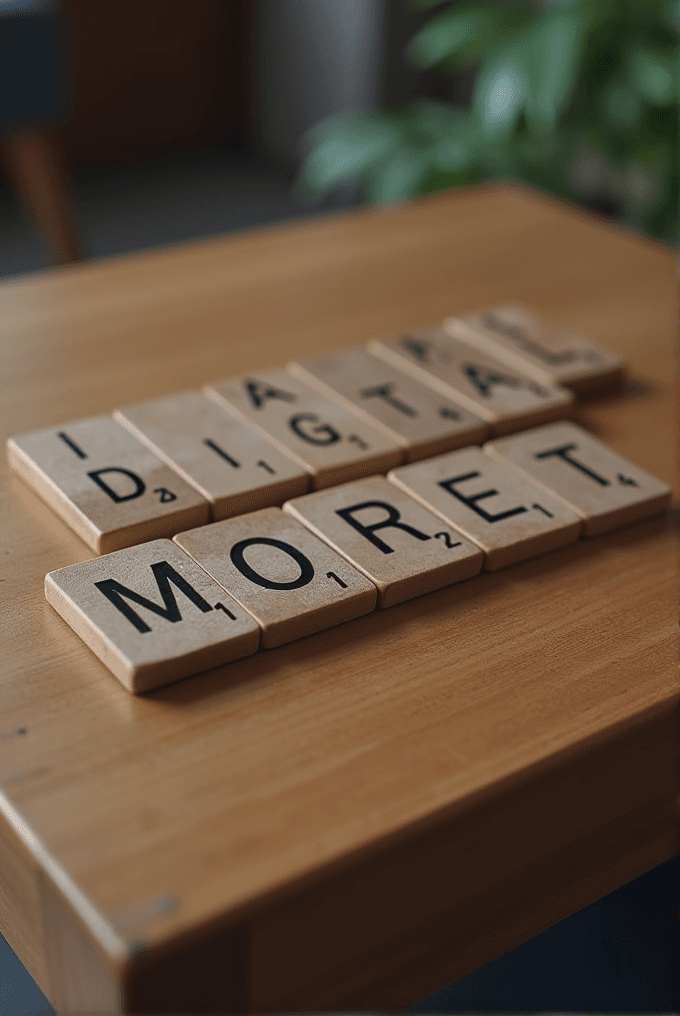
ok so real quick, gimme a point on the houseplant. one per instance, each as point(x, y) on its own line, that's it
point(575, 97)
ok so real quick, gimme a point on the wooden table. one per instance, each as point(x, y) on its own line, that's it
point(360, 817)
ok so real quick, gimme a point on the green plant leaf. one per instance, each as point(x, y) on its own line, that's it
point(501, 90)
point(622, 106)
point(459, 149)
point(555, 48)
point(671, 15)
point(431, 120)
point(341, 148)
point(465, 33)
point(399, 176)
point(654, 75)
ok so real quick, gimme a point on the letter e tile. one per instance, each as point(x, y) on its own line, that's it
point(151, 614)
point(501, 510)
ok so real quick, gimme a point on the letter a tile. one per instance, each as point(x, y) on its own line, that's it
point(105, 484)
point(323, 437)
point(403, 548)
point(496, 506)
point(151, 614)
point(605, 489)
point(290, 581)
point(228, 462)
point(501, 395)
point(551, 355)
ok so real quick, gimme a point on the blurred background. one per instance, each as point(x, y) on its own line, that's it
point(129, 124)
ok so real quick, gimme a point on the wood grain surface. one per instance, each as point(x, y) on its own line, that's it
point(355, 819)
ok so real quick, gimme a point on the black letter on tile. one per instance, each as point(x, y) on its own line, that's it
point(140, 486)
point(164, 574)
point(238, 560)
point(221, 452)
point(384, 392)
point(392, 521)
point(260, 392)
point(563, 453)
point(72, 445)
point(330, 435)
point(471, 502)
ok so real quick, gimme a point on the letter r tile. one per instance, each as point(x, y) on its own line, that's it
point(151, 614)
point(605, 489)
point(288, 579)
point(397, 543)
point(105, 484)
point(501, 510)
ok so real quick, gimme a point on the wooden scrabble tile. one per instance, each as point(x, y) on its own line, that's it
point(420, 419)
point(231, 464)
point(398, 544)
point(320, 435)
point(605, 489)
point(290, 581)
point(107, 486)
point(550, 355)
point(151, 614)
point(496, 506)
point(505, 398)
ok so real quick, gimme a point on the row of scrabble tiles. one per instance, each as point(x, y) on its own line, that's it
point(163, 466)
point(169, 609)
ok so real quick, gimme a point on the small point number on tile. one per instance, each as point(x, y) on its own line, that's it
point(264, 465)
point(220, 606)
point(165, 494)
point(448, 542)
point(355, 439)
point(545, 511)
point(336, 578)
point(626, 481)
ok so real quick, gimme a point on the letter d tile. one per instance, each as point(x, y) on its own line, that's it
point(105, 484)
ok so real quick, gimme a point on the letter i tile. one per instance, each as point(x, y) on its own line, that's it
point(151, 614)
point(106, 485)
point(290, 581)
point(398, 544)
point(500, 509)
point(605, 489)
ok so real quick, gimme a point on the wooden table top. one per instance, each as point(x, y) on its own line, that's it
point(357, 818)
